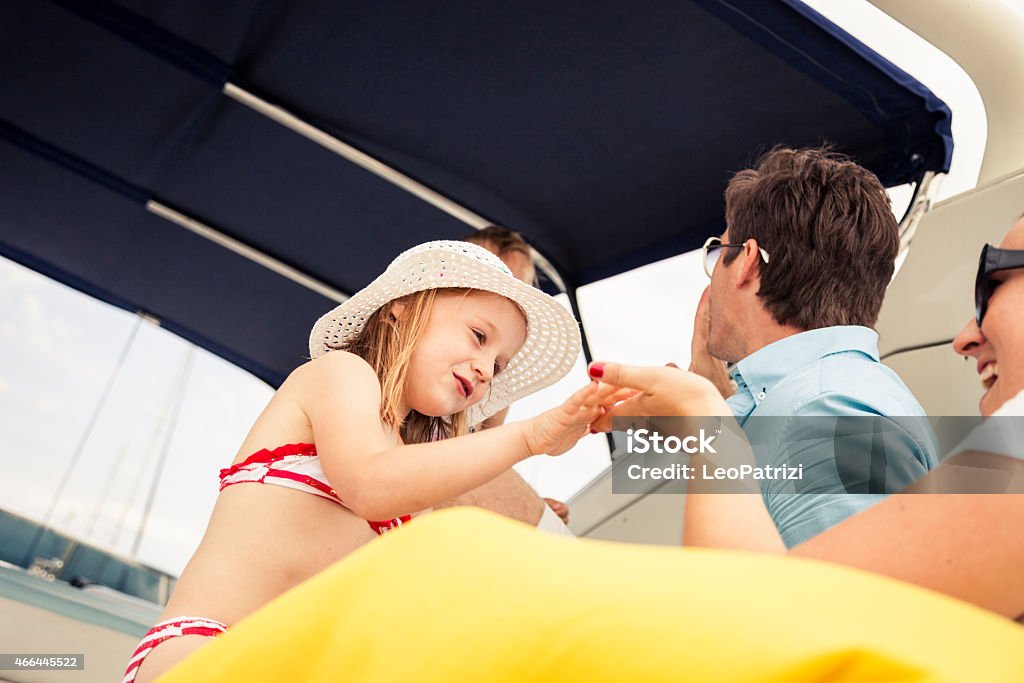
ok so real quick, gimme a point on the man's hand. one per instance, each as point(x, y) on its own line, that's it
point(701, 360)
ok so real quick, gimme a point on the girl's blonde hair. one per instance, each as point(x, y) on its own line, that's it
point(387, 343)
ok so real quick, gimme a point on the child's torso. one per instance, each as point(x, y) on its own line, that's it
point(263, 540)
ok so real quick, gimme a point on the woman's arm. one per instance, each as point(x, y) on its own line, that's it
point(968, 546)
point(714, 517)
point(340, 395)
point(730, 520)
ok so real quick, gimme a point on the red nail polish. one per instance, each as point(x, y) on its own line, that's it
point(597, 370)
point(593, 432)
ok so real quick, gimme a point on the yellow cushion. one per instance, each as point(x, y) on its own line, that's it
point(464, 595)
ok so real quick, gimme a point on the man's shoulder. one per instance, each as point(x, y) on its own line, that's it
point(869, 382)
point(836, 395)
point(849, 383)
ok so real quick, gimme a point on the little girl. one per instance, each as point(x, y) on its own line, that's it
point(356, 441)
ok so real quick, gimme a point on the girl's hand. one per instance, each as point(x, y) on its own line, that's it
point(658, 391)
point(557, 430)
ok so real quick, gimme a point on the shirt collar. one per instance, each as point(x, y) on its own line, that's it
point(763, 369)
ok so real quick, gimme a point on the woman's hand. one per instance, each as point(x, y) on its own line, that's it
point(655, 391)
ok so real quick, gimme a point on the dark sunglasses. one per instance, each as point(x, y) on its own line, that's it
point(993, 259)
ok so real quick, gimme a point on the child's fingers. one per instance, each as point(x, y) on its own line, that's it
point(607, 399)
point(602, 424)
point(607, 394)
point(627, 405)
point(583, 416)
point(619, 395)
point(579, 398)
point(604, 390)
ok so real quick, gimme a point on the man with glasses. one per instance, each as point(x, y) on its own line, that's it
point(797, 280)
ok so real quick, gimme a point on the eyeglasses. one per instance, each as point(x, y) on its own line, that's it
point(713, 250)
point(993, 259)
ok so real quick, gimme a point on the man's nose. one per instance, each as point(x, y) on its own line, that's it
point(969, 338)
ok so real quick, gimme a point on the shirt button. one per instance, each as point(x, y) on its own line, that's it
point(760, 397)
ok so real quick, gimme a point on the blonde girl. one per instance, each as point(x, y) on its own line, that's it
point(358, 441)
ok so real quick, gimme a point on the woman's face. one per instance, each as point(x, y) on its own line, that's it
point(468, 339)
point(998, 347)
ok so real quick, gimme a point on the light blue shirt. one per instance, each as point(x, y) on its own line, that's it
point(793, 400)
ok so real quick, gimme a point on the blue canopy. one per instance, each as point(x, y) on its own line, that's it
point(603, 131)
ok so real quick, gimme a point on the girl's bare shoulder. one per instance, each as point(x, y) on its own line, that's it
point(315, 390)
point(331, 383)
point(332, 369)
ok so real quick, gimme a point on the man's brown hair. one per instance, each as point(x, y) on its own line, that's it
point(828, 227)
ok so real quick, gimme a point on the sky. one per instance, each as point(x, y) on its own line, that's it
point(63, 349)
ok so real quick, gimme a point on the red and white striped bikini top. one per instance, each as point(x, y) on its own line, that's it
point(295, 466)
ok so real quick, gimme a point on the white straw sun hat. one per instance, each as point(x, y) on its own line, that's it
point(552, 334)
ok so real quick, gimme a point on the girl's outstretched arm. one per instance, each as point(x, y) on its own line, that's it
point(377, 479)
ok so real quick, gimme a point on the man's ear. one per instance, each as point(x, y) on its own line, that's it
point(750, 269)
